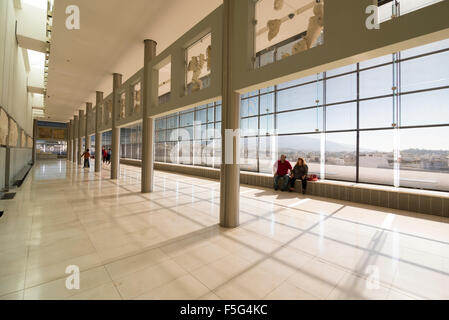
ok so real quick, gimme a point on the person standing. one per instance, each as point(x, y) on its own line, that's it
point(281, 170)
point(104, 154)
point(108, 158)
point(86, 156)
point(299, 172)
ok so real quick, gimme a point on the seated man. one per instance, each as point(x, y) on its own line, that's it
point(282, 169)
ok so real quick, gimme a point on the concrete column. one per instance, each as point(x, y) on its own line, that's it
point(35, 134)
point(88, 115)
point(71, 142)
point(80, 137)
point(115, 157)
point(150, 93)
point(98, 137)
point(75, 159)
point(69, 139)
point(230, 172)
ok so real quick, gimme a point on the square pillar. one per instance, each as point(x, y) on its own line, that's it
point(88, 115)
point(80, 137)
point(75, 158)
point(230, 167)
point(115, 157)
point(150, 94)
point(98, 153)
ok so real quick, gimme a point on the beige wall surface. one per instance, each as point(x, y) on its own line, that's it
point(14, 97)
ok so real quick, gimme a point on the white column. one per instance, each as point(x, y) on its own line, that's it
point(75, 141)
point(88, 115)
point(115, 157)
point(98, 137)
point(80, 137)
point(230, 172)
point(150, 93)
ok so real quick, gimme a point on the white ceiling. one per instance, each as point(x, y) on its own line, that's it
point(110, 40)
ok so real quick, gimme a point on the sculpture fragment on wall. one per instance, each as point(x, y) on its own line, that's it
point(274, 26)
point(209, 57)
point(278, 4)
point(4, 127)
point(314, 29)
point(137, 99)
point(29, 142)
point(109, 111)
point(13, 134)
point(122, 106)
point(196, 64)
point(23, 141)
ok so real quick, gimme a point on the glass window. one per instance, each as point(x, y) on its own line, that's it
point(200, 116)
point(249, 107)
point(425, 108)
point(307, 146)
point(345, 69)
point(376, 61)
point(309, 120)
point(248, 155)
point(425, 158)
point(376, 82)
point(186, 119)
point(341, 117)
point(267, 153)
point(376, 113)
point(172, 122)
point(267, 103)
point(218, 113)
point(160, 123)
point(341, 156)
point(210, 114)
point(299, 97)
point(249, 126)
point(266, 125)
point(292, 83)
point(425, 72)
point(376, 157)
point(341, 89)
point(434, 46)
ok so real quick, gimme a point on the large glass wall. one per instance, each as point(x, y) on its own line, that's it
point(131, 142)
point(382, 121)
point(191, 137)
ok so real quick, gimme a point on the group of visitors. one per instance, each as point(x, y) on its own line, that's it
point(106, 154)
point(282, 169)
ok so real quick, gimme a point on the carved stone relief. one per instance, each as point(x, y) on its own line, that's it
point(23, 141)
point(278, 4)
point(196, 64)
point(29, 142)
point(13, 134)
point(3, 127)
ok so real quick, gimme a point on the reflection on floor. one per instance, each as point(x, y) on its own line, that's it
point(167, 245)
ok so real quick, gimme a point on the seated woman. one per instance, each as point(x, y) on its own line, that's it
point(299, 172)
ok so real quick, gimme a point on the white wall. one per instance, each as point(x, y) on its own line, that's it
point(14, 97)
point(19, 159)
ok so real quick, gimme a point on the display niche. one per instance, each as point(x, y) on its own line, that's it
point(287, 27)
point(198, 63)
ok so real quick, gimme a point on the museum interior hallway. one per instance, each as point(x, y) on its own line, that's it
point(167, 244)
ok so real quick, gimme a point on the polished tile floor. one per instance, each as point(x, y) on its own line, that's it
point(167, 245)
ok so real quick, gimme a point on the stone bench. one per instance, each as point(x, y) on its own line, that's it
point(421, 201)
